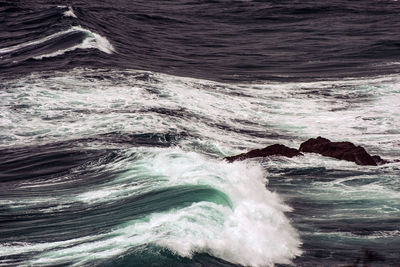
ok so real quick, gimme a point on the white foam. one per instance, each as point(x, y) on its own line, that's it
point(254, 232)
point(364, 111)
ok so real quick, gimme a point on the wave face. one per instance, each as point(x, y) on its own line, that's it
point(114, 119)
point(69, 40)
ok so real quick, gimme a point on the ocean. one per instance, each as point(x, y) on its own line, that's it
point(115, 117)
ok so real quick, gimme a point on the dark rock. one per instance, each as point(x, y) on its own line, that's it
point(276, 149)
point(379, 160)
point(340, 150)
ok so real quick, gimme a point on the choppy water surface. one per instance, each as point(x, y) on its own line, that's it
point(115, 117)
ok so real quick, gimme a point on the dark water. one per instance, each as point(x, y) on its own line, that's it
point(115, 115)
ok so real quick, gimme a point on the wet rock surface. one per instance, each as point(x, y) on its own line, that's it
point(340, 150)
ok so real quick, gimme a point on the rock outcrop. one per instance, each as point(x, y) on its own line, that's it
point(276, 149)
point(340, 150)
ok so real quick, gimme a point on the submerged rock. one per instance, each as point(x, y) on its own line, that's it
point(276, 149)
point(340, 150)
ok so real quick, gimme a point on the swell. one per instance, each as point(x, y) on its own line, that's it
point(254, 41)
point(48, 33)
point(56, 44)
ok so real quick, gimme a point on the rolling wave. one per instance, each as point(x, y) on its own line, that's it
point(57, 44)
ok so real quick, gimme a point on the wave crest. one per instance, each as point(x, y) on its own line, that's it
point(252, 230)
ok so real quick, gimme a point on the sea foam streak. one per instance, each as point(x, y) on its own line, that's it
point(249, 229)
